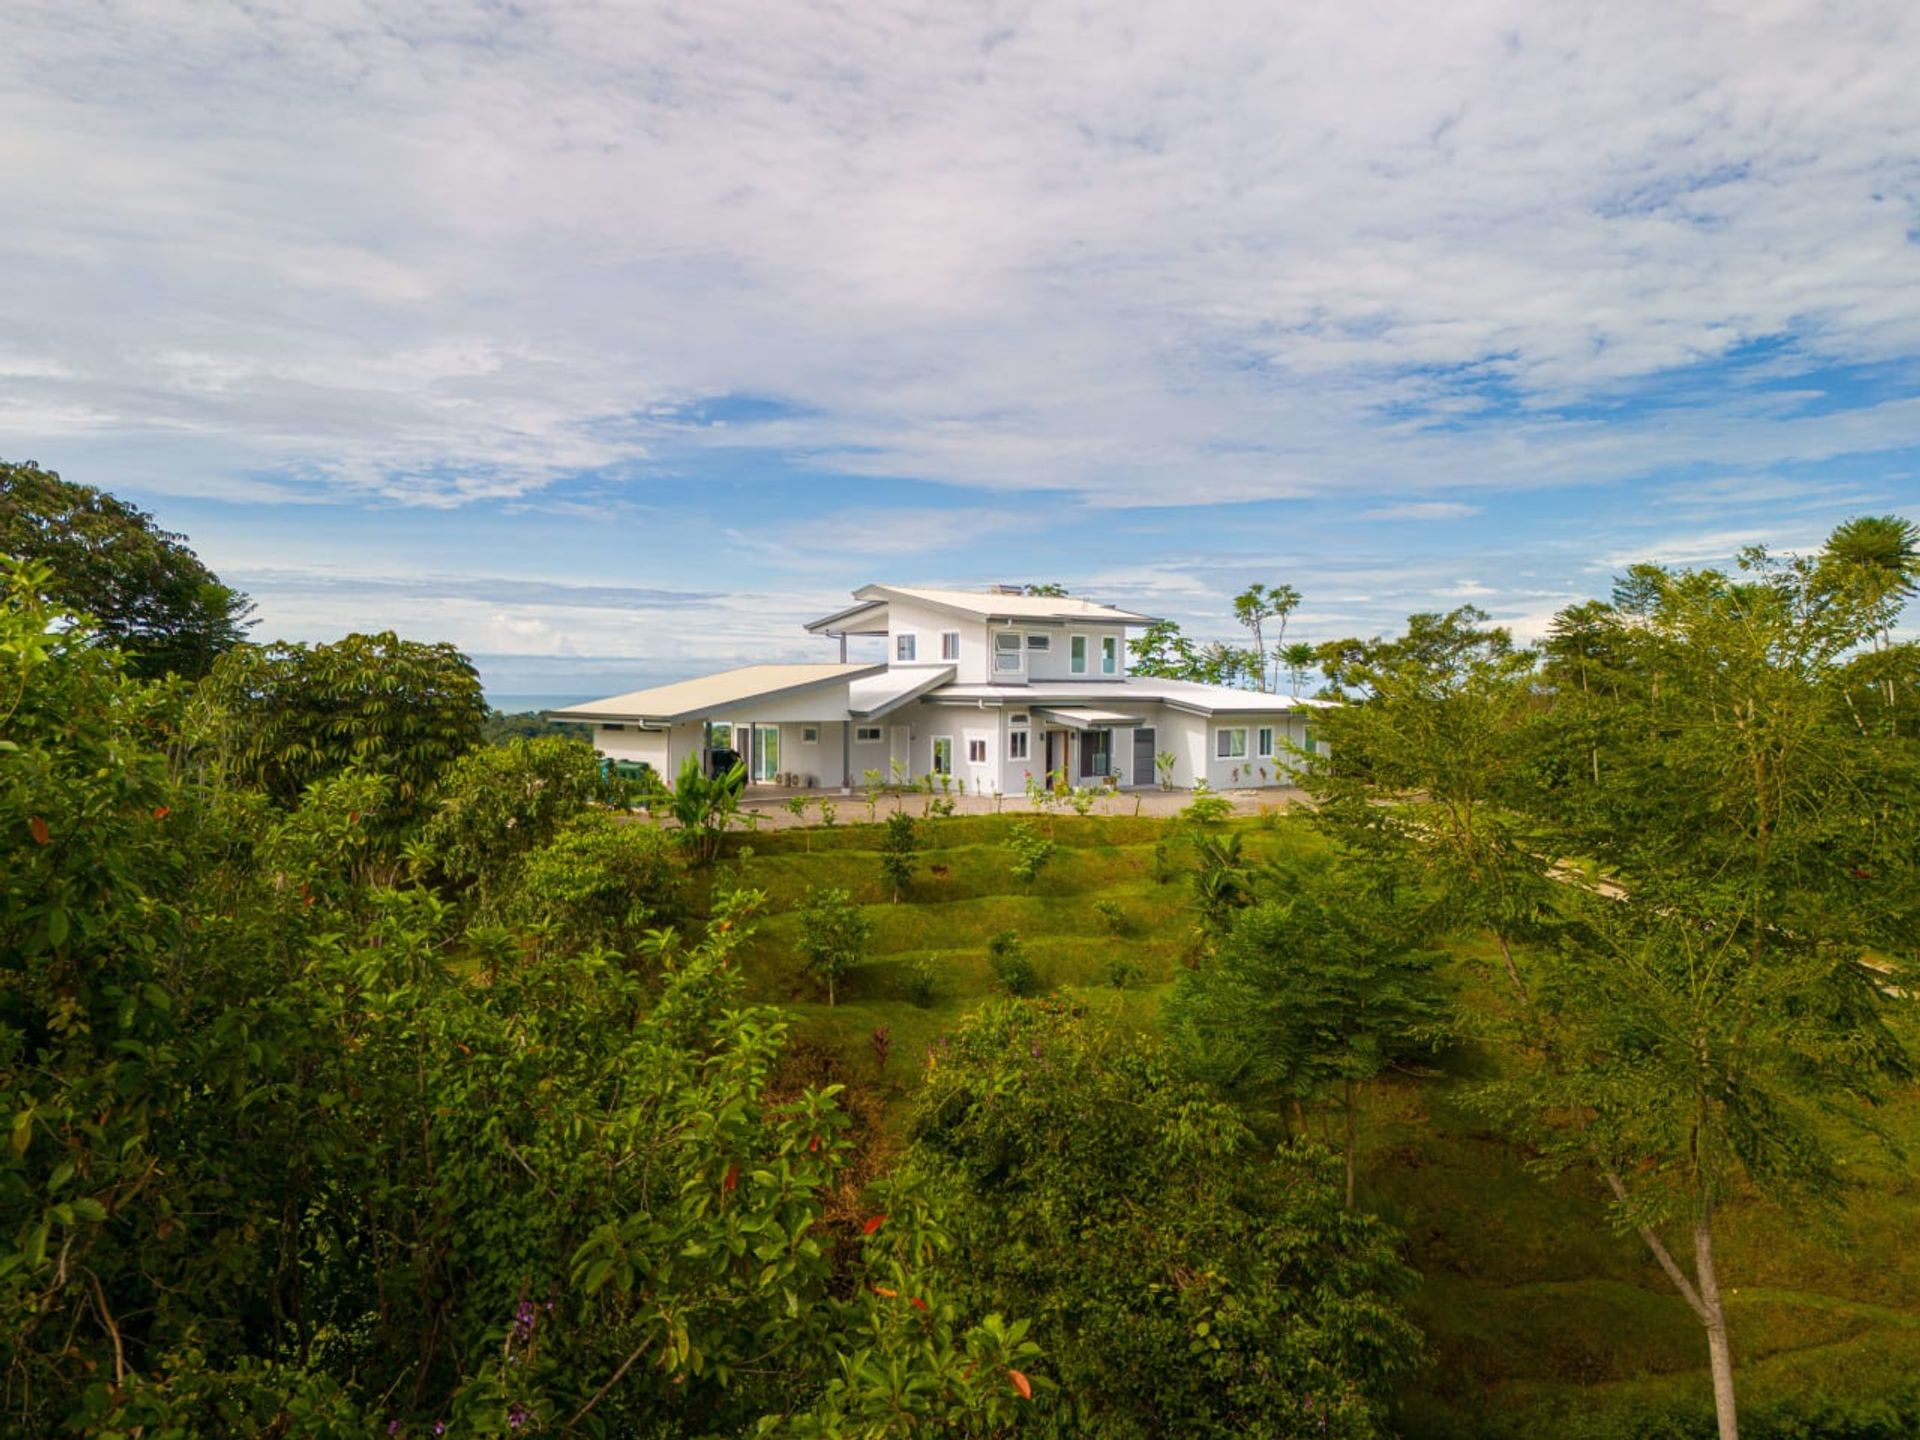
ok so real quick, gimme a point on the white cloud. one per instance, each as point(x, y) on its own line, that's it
point(1422, 510)
point(439, 254)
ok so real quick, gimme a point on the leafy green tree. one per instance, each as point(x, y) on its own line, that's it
point(1696, 885)
point(496, 803)
point(1163, 652)
point(1258, 606)
point(1434, 773)
point(834, 935)
point(1314, 992)
point(1182, 1281)
point(899, 852)
point(1871, 566)
point(1298, 657)
point(147, 593)
point(282, 716)
point(599, 881)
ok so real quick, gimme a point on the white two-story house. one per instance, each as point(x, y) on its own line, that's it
point(986, 687)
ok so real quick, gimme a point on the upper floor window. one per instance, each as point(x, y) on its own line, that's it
point(1006, 652)
point(1039, 642)
point(950, 645)
point(1077, 655)
point(903, 647)
point(1109, 655)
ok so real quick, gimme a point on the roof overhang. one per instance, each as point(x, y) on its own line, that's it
point(617, 710)
point(885, 699)
point(869, 617)
point(1081, 717)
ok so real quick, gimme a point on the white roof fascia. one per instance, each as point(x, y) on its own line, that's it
point(998, 614)
point(592, 714)
point(937, 676)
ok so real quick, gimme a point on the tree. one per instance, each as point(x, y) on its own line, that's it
point(295, 1151)
point(899, 852)
point(1872, 564)
point(1049, 589)
point(1163, 652)
point(834, 935)
point(1318, 990)
point(1182, 1280)
point(282, 716)
point(497, 803)
point(147, 593)
point(1298, 657)
point(1254, 607)
point(1692, 887)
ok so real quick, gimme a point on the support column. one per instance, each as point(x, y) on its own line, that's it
point(846, 744)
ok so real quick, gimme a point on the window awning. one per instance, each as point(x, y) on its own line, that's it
point(1076, 718)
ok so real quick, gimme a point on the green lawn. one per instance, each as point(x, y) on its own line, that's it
point(1540, 1320)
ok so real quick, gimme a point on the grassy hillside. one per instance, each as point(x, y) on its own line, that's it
point(1540, 1320)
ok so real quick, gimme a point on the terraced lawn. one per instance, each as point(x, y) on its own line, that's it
point(1541, 1321)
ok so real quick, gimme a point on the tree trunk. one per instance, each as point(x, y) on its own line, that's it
point(1349, 1142)
point(1719, 1353)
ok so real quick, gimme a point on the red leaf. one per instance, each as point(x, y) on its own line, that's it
point(160, 812)
point(732, 1178)
point(872, 1225)
point(353, 817)
point(1021, 1383)
point(41, 835)
point(916, 1302)
point(813, 1144)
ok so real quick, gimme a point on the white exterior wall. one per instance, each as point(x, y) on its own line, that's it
point(1279, 766)
point(633, 744)
point(927, 625)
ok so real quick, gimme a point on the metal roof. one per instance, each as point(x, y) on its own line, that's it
point(693, 699)
point(879, 695)
point(1075, 718)
point(983, 605)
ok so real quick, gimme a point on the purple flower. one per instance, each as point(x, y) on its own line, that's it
point(516, 1416)
point(393, 1427)
point(439, 1427)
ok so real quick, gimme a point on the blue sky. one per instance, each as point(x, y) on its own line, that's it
point(610, 341)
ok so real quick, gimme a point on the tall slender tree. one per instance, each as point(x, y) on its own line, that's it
point(1257, 606)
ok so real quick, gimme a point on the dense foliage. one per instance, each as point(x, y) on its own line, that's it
point(296, 1148)
point(1693, 828)
point(1182, 1279)
point(147, 593)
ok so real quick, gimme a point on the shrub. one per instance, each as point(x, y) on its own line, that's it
point(497, 803)
point(1206, 808)
point(1124, 972)
point(1112, 916)
point(1012, 969)
point(833, 935)
point(921, 988)
point(899, 851)
point(601, 881)
point(704, 806)
point(1030, 852)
